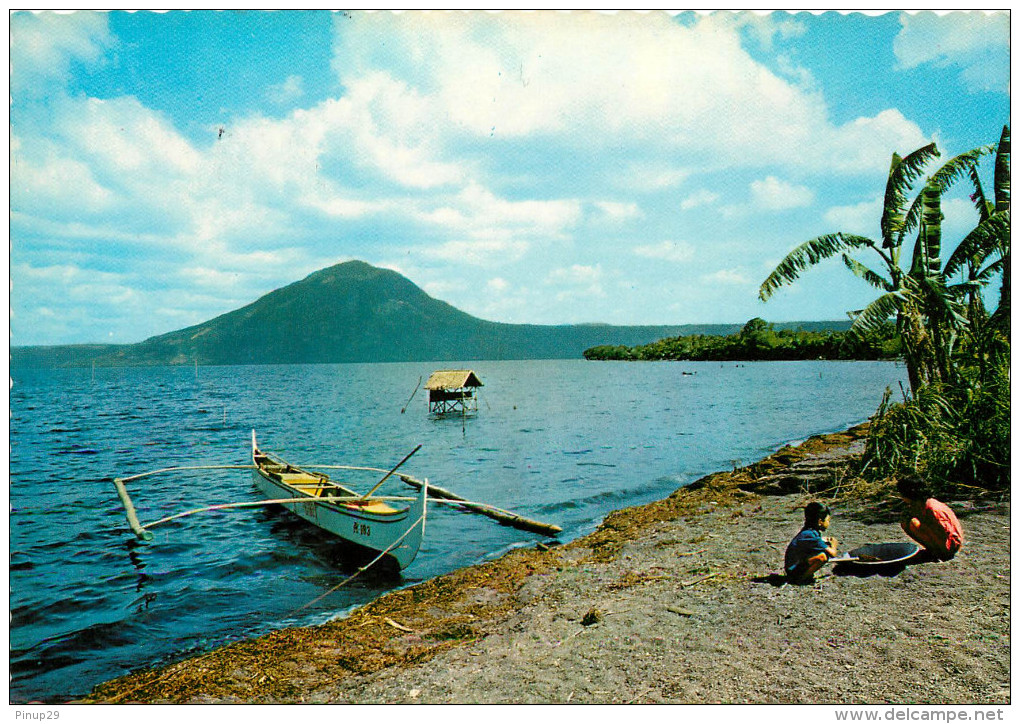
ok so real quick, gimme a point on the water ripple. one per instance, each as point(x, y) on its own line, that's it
point(88, 602)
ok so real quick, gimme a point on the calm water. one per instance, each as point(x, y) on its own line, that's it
point(560, 441)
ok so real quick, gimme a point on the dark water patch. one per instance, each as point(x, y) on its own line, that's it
point(77, 450)
point(71, 648)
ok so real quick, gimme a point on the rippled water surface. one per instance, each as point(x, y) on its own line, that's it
point(560, 441)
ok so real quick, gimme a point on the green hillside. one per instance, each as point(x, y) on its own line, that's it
point(354, 312)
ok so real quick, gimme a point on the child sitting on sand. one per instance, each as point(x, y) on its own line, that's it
point(928, 521)
point(809, 551)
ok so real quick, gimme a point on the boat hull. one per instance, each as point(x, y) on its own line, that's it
point(398, 533)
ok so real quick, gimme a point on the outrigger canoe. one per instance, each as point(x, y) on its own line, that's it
point(370, 522)
point(389, 527)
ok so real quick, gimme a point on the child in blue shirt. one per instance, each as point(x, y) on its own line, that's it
point(809, 551)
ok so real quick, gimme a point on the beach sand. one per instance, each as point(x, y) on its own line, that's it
point(678, 601)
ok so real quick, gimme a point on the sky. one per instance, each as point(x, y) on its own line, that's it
point(548, 167)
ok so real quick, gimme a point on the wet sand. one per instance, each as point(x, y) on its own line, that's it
point(677, 601)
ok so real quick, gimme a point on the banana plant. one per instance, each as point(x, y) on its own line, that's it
point(929, 314)
point(897, 298)
point(983, 255)
point(903, 173)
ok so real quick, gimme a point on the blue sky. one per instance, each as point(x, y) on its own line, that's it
point(525, 167)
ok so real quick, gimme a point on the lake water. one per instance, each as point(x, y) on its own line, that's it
point(559, 441)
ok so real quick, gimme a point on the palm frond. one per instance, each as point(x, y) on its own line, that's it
point(1002, 172)
point(985, 239)
point(930, 238)
point(902, 175)
point(806, 255)
point(873, 278)
point(983, 206)
point(939, 302)
point(877, 313)
point(990, 272)
point(959, 166)
point(966, 288)
point(932, 214)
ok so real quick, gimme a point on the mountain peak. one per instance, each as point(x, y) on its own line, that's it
point(355, 312)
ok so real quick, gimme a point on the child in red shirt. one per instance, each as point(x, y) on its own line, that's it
point(928, 521)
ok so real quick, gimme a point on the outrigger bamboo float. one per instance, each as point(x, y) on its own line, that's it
point(391, 527)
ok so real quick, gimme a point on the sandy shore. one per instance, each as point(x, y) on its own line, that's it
point(677, 601)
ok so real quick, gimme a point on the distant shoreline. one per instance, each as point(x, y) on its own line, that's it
point(547, 342)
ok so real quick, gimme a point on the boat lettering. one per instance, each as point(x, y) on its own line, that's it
point(362, 529)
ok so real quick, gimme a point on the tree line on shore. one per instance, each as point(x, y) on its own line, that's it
point(759, 340)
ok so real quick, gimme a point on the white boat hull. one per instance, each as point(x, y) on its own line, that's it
point(398, 534)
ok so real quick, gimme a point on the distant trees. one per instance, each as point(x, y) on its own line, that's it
point(759, 340)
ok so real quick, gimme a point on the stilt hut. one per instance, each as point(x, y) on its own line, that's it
point(452, 392)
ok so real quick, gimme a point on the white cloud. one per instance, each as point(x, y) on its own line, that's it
point(702, 197)
point(43, 45)
point(862, 219)
point(976, 42)
point(497, 285)
point(488, 252)
point(394, 127)
point(617, 211)
point(867, 144)
point(653, 80)
point(577, 280)
point(289, 91)
point(775, 194)
point(737, 277)
point(650, 176)
point(124, 138)
point(960, 219)
point(478, 212)
point(441, 288)
point(672, 251)
point(44, 180)
point(765, 28)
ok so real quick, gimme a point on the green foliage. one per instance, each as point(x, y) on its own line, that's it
point(955, 424)
point(957, 437)
point(759, 340)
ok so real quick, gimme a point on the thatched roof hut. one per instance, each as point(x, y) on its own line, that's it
point(453, 392)
point(452, 380)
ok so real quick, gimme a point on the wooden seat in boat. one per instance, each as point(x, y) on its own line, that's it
point(378, 507)
point(305, 483)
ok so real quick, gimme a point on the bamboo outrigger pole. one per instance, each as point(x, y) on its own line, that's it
point(129, 508)
point(483, 508)
point(387, 475)
point(402, 409)
point(503, 516)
